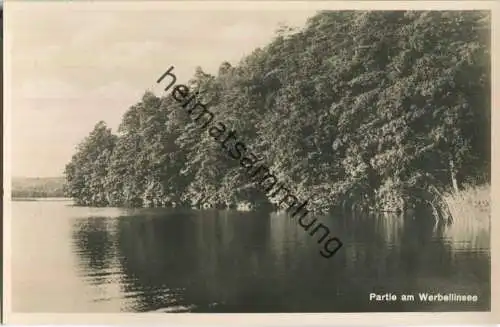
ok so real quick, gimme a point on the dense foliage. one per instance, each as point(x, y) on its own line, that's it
point(379, 109)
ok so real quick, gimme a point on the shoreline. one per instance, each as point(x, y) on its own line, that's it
point(21, 198)
point(470, 201)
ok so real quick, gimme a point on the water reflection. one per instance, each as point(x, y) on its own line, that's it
point(222, 261)
point(94, 243)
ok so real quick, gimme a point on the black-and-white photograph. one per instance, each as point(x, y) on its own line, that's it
point(248, 161)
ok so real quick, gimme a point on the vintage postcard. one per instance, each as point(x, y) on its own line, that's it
point(270, 163)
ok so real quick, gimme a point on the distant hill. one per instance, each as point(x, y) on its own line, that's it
point(38, 187)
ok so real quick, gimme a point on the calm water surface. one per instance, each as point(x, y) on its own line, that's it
point(75, 259)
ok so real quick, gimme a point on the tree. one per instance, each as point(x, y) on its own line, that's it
point(375, 110)
point(87, 171)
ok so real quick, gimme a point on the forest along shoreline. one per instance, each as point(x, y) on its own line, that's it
point(267, 180)
point(383, 111)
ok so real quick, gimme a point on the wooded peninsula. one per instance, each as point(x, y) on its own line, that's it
point(379, 110)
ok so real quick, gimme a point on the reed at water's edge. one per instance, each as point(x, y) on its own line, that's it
point(471, 203)
point(470, 208)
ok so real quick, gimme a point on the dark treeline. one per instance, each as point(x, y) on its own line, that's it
point(378, 109)
point(46, 187)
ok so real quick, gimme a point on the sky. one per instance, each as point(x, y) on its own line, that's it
point(73, 65)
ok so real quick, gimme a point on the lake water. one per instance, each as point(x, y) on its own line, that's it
point(74, 259)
